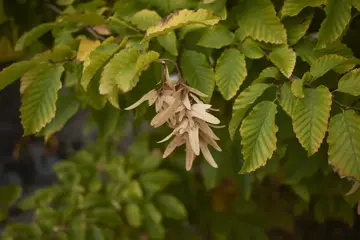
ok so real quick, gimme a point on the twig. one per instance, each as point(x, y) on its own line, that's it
point(161, 60)
point(87, 28)
point(345, 106)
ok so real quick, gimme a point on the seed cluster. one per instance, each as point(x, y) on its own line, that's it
point(180, 107)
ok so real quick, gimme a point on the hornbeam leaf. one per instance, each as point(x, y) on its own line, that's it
point(145, 19)
point(325, 63)
point(251, 49)
point(95, 60)
point(297, 88)
point(9, 74)
point(310, 118)
point(258, 133)
point(242, 103)
point(297, 26)
point(31, 36)
point(180, 19)
point(66, 106)
point(338, 15)
point(230, 72)
point(269, 72)
point(120, 69)
point(293, 7)
point(198, 72)
point(39, 102)
point(344, 144)
point(284, 58)
point(287, 99)
point(168, 41)
point(257, 19)
point(216, 36)
point(350, 83)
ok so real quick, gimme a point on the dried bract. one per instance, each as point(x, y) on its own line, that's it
point(180, 107)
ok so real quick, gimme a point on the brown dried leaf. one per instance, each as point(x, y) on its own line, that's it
point(147, 97)
point(204, 127)
point(197, 92)
point(164, 115)
point(210, 141)
point(186, 102)
point(173, 145)
point(190, 156)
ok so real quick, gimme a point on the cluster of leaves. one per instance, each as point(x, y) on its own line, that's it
point(102, 195)
point(281, 73)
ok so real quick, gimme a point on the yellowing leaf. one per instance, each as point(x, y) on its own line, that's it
point(95, 60)
point(120, 70)
point(325, 63)
point(257, 19)
point(251, 49)
point(297, 26)
point(145, 19)
point(344, 144)
point(168, 41)
point(284, 58)
point(31, 75)
point(14, 72)
point(297, 88)
point(242, 104)
point(258, 133)
point(39, 101)
point(287, 99)
point(350, 83)
point(338, 15)
point(179, 19)
point(86, 46)
point(310, 118)
point(197, 72)
point(66, 106)
point(293, 7)
point(216, 36)
point(31, 36)
point(230, 72)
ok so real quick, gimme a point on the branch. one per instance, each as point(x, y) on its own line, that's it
point(55, 9)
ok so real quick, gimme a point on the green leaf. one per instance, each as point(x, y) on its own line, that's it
point(242, 104)
point(152, 212)
point(325, 63)
point(64, 2)
point(344, 144)
point(197, 72)
point(31, 36)
point(9, 194)
point(284, 58)
point(350, 83)
point(338, 15)
point(310, 118)
point(84, 18)
point(95, 233)
point(258, 133)
point(154, 182)
point(180, 19)
point(145, 19)
point(287, 99)
point(119, 70)
point(66, 106)
point(257, 19)
point(356, 4)
point(302, 190)
point(106, 120)
point(251, 49)
point(3, 214)
point(168, 41)
point(269, 72)
point(217, 36)
point(107, 216)
point(92, 96)
point(297, 26)
point(297, 88)
point(230, 72)
point(171, 207)
point(133, 215)
point(132, 192)
point(22, 231)
point(150, 162)
point(39, 101)
point(95, 60)
point(14, 72)
point(293, 7)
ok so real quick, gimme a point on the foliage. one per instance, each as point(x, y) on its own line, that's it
point(284, 75)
